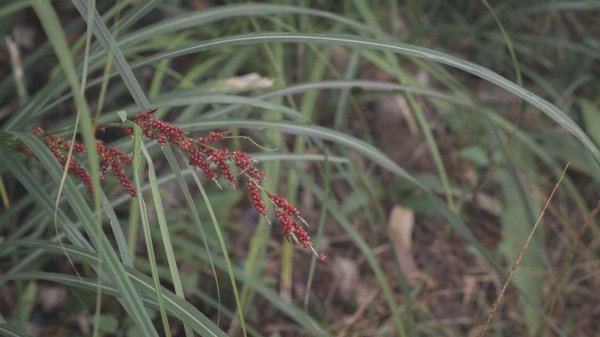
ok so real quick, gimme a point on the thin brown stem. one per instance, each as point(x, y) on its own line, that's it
point(521, 254)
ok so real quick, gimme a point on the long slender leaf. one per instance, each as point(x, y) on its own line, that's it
point(131, 299)
point(400, 48)
point(180, 309)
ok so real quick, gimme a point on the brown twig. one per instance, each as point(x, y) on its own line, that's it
point(521, 254)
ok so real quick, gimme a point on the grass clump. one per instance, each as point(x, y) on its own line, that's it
point(463, 117)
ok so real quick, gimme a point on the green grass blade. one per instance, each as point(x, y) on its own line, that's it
point(11, 9)
point(164, 231)
point(56, 35)
point(105, 38)
point(180, 309)
point(44, 98)
point(57, 38)
point(382, 160)
point(398, 48)
point(507, 40)
point(115, 269)
point(515, 229)
point(129, 79)
point(177, 171)
point(199, 18)
point(177, 100)
point(293, 312)
point(7, 331)
point(367, 150)
point(176, 307)
point(363, 247)
point(223, 250)
point(342, 104)
point(40, 196)
point(187, 97)
point(138, 168)
point(79, 254)
point(117, 230)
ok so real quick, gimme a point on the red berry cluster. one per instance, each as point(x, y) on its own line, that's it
point(115, 158)
point(156, 129)
point(255, 196)
point(214, 162)
point(201, 154)
point(285, 214)
point(109, 156)
point(59, 146)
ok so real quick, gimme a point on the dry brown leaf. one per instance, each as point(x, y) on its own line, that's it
point(401, 222)
point(248, 81)
point(346, 276)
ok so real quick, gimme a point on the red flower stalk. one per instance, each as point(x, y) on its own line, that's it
point(59, 146)
point(215, 162)
point(254, 193)
point(201, 154)
point(115, 158)
point(109, 157)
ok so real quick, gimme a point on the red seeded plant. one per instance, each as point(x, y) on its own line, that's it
point(201, 154)
point(109, 157)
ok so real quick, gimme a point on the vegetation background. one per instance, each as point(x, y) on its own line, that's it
point(420, 139)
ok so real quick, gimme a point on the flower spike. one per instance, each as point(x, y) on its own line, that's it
point(215, 163)
point(202, 155)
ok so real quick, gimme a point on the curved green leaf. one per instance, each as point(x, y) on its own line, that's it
point(399, 48)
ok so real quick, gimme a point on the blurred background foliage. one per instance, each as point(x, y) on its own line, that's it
point(420, 139)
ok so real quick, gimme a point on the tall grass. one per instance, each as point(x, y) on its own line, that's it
point(501, 97)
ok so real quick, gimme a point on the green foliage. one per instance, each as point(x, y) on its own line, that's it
point(473, 153)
